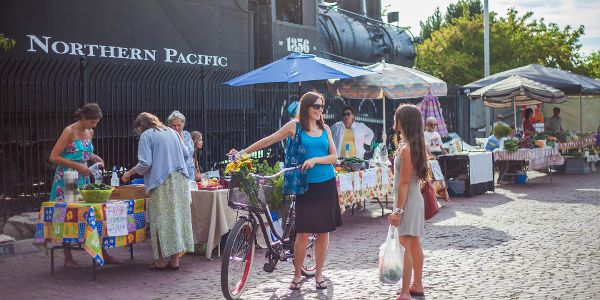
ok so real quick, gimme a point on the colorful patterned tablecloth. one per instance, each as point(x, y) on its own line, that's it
point(85, 223)
point(366, 184)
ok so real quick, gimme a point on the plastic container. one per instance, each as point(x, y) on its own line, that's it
point(71, 178)
point(137, 181)
point(114, 180)
point(456, 187)
point(96, 196)
point(521, 179)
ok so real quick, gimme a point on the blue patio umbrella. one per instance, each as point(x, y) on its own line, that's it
point(298, 67)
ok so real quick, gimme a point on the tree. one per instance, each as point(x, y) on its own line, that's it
point(455, 51)
point(591, 65)
point(463, 8)
point(453, 11)
point(6, 43)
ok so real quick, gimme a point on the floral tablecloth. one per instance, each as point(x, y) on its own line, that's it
point(85, 223)
point(365, 184)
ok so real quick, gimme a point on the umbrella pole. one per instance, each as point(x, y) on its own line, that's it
point(384, 134)
point(580, 114)
point(514, 113)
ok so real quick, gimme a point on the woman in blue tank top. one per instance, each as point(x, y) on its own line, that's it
point(317, 210)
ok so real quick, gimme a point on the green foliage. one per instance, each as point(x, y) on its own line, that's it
point(263, 168)
point(502, 130)
point(454, 53)
point(433, 23)
point(461, 8)
point(591, 65)
point(6, 43)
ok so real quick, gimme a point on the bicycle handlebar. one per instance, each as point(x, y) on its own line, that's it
point(274, 175)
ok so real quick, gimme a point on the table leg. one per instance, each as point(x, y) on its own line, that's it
point(131, 251)
point(52, 261)
point(94, 269)
point(381, 205)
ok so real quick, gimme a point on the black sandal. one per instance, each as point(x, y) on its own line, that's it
point(294, 286)
point(320, 285)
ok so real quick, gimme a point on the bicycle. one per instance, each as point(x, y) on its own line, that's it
point(239, 249)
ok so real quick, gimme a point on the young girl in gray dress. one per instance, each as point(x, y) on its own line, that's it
point(410, 167)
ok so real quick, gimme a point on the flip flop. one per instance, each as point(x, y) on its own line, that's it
point(294, 286)
point(415, 293)
point(173, 267)
point(320, 285)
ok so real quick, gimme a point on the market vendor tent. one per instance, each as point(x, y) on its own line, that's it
point(390, 82)
point(569, 83)
point(516, 90)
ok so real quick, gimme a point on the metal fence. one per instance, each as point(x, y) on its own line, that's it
point(38, 96)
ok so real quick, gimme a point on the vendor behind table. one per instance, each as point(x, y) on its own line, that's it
point(349, 136)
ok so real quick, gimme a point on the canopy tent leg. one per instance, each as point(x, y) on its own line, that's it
point(383, 133)
point(514, 112)
point(580, 114)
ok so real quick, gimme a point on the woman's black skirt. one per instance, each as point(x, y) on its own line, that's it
point(318, 210)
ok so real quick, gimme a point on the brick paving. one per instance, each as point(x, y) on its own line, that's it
point(522, 242)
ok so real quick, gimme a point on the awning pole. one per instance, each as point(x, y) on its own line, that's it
point(580, 114)
point(383, 133)
point(514, 112)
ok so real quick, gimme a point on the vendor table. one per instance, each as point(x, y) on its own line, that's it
point(374, 183)
point(588, 141)
point(212, 218)
point(80, 223)
point(474, 168)
point(537, 159)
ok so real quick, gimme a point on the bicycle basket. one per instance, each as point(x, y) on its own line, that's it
point(245, 193)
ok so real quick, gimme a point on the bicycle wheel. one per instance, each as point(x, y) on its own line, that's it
point(309, 267)
point(237, 259)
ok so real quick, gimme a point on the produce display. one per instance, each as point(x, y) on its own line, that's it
point(502, 130)
point(96, 192)
point(352, 164)
point(511, 145)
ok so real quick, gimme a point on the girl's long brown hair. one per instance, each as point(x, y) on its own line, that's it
point(307, 101)
point(409, 118)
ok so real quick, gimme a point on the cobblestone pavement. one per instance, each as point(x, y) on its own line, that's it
point(522, 242)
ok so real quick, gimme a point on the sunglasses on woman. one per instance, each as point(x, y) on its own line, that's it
point(318, 106)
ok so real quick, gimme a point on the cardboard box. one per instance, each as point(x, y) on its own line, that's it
point(128, 192)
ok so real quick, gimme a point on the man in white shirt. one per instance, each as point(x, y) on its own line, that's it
point(433, 139)
point(351, 137)
point(554, 123)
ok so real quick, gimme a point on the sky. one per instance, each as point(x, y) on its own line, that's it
point(562, 12)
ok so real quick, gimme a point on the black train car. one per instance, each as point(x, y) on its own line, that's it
point(158, 56)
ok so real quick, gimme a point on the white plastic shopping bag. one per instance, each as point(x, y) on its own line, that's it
point(391, 258)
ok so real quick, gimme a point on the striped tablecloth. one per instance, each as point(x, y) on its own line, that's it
point(577, 144)
point(538, 158)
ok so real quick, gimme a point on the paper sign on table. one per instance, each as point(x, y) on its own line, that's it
point(365, 179)
point(345, 183)
point(385, 177)
point(436, 170)
point(116, 219)
point(357, 181)
point(373, 178)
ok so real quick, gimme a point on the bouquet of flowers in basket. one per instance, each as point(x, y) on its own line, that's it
point(239, 168)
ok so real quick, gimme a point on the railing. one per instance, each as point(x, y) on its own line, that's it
point(38, 96)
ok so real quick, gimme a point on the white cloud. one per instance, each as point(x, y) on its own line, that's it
point(562, 12)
